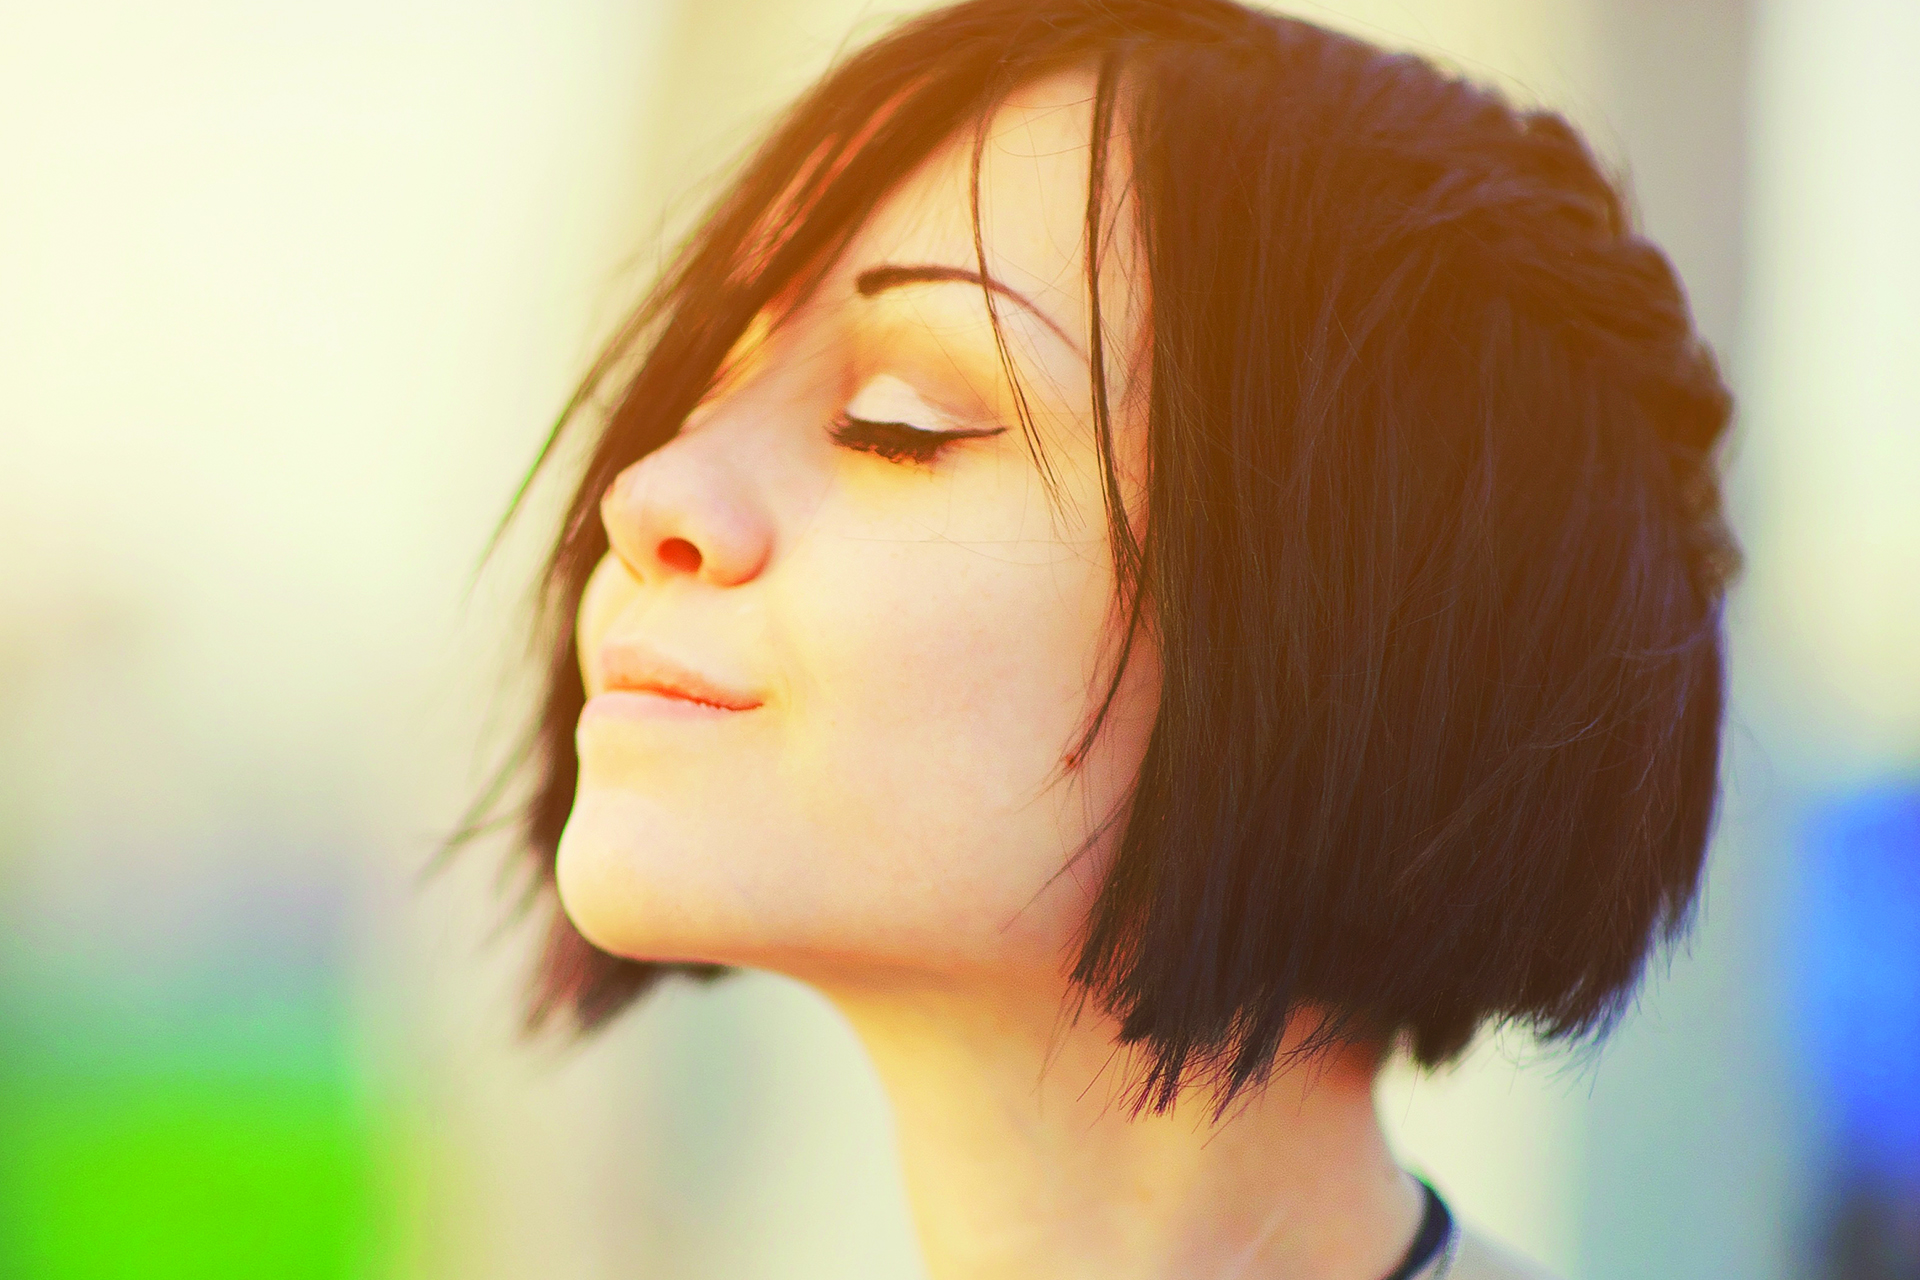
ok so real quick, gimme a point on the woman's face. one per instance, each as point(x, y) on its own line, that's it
point(846, 634)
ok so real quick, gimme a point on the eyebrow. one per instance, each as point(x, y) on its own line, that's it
point(891, 276)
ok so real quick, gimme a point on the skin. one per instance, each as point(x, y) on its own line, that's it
point(907, 650)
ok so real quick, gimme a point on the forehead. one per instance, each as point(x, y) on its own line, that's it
point(1033, 178)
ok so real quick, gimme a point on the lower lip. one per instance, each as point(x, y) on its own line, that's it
point(643, 704)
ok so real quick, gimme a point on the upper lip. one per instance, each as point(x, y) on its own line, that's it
point(635, 668)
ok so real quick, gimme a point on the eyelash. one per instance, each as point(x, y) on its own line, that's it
point(898, 441)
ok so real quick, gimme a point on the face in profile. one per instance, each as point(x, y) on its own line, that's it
point(858, 613)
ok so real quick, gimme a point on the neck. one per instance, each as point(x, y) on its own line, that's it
point(1023, 1158)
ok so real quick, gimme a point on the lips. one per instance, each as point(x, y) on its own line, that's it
point(631, 668)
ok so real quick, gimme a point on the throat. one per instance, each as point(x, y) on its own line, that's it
point(1025, 1157)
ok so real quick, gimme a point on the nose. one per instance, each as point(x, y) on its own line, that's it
point(678, 513)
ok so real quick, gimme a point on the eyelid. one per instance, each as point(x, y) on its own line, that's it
point(888, 398)
point(931, 433)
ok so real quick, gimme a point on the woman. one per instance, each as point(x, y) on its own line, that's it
point(1157, 556)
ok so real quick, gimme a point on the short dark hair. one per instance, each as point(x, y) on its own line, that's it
point(1433, 555)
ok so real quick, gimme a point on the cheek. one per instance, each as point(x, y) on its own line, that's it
point(938, 684)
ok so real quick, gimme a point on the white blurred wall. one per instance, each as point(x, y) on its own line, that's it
point(1834, 379)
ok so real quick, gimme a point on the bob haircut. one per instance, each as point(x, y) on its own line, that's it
point(1433, 554)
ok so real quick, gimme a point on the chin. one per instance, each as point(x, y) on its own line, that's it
point(648, 880)
point(655, 878)
point(623, 880)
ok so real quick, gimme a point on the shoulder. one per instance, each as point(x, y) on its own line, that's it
point(1478, 1258)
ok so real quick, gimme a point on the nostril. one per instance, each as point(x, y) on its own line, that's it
point(679, 554)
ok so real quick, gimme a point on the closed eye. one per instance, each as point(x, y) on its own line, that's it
point(899, 441)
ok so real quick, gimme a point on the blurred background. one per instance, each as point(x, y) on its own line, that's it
point(288, 297)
